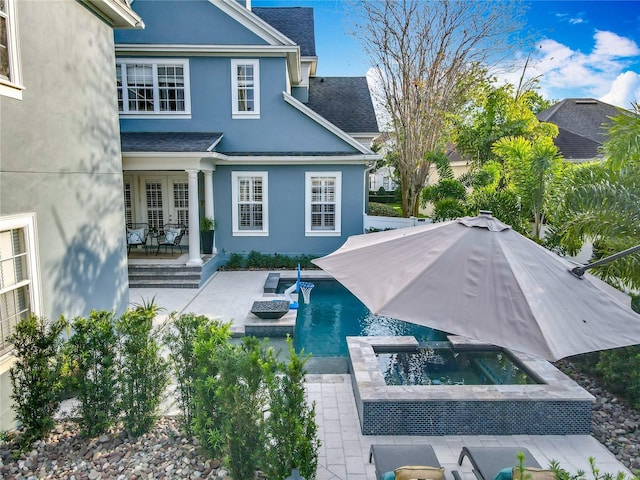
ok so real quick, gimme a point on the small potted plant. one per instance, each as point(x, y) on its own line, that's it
point(207, 231)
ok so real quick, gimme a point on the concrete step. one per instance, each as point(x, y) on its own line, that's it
point(164, 276)
point(164, 284)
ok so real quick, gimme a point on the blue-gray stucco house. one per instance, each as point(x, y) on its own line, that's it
point(222, 115)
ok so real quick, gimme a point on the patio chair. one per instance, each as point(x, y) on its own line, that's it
point(171, 236)
point(137, 234)
point(407, 461)
point(488, 462)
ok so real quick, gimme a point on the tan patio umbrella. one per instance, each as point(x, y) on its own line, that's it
point(478, 278)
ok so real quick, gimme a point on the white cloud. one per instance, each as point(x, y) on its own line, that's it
point(609, 44)
point(602, 73)
point(624, 90)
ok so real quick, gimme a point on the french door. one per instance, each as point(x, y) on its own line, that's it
point(156, 199)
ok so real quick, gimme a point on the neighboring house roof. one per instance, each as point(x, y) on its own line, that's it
point(344, 101)
point(169, 141)
point(582, 126)
point(294, 22)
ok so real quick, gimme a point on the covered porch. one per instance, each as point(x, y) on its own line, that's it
point(168, 189)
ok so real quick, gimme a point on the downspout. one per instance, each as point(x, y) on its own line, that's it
point(366, 188)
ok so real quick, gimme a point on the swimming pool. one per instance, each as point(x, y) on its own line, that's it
point(334, 313)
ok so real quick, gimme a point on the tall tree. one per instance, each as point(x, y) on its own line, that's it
point(427, 55)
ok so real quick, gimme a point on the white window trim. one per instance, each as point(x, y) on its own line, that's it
point(13, 86)
point(235, 113)
point(337, 231)
point(28, 223)
point(157, 113)
point(236, 231)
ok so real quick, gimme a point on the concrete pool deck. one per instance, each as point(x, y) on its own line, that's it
point(344, 454)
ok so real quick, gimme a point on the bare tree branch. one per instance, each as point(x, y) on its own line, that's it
point(425, 53)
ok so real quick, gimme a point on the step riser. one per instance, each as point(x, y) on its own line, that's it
point(165, 276)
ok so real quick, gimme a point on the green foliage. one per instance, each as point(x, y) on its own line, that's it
point(210, 339)
point(291, 431)
point(262, 261)
point(93, 348)
point(503, 204)
point(446, 188)
point(180, 342)
point(35, 377)
point(382, 210)
point(441, 161)
point(620, 370)
point(241, 394)
point(207, 224)
point(562, 474)
point(529, 167)
point(448, 209)
point(143, 374)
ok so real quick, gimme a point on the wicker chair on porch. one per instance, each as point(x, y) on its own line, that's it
point(137, 234)
point(171, 236)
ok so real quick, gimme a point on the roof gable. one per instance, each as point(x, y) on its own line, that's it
point(200, 22)
point(345, 102)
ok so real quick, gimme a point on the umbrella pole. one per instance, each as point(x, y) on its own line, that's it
point(579, 271)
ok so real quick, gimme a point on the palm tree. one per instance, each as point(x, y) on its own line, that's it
point(601, 202)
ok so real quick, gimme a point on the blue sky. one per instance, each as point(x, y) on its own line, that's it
point(583, 48)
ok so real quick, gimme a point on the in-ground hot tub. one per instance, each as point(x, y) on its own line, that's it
point(551, 404)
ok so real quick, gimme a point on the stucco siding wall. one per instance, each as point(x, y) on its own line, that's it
point(286, 210)
point(280, 128)
point(188, 22)
point(60, 157)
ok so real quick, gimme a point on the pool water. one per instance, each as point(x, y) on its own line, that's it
point(334, 313)
point(445, 366)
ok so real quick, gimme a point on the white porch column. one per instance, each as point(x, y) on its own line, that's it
point(208, 199)
point(194, 220)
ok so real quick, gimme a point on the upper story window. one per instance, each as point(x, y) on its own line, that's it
point(250, 195)
point(245, 88)
point(152, 87)
point(323, 203)
point(9, 58)
point(19, 283)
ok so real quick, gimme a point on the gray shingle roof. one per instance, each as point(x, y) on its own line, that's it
point(581, 122)
point(294, 22)
point(168, 141)
point(345, 102)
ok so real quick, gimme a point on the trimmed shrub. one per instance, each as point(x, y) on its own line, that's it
point(144, 374)
point(93, 349)
point(180, 342)
point(381, 210)
point(35, 377)
point(290, 428)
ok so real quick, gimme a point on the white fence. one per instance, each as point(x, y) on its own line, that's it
point(385, 223)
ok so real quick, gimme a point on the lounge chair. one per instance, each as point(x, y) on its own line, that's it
point(489, 461)
point(387, 458)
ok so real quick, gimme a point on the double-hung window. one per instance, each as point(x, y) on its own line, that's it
point(9, 59)
point(153, 87)
point(250, 195)
point(19, 285)
point(323, 198)
point(245, 88)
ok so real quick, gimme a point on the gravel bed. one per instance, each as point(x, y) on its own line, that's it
point(163, 454)
point(613, 421)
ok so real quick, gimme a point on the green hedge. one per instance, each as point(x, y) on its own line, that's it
point(381, 210)
point(264, 261)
